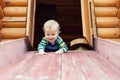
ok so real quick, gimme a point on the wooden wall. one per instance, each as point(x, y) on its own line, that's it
point(13, 19)
point(108, 19)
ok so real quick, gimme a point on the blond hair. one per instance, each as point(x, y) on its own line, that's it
point(51, 24)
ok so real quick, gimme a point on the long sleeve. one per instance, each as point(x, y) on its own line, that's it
point(42, 45)
point(62, 45)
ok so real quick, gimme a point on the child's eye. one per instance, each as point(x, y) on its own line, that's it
point(53, 34)
point(48, 34)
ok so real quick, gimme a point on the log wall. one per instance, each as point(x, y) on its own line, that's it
point(107, 15)
point(12, 19)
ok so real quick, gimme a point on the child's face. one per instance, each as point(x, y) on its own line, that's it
point(51, 35)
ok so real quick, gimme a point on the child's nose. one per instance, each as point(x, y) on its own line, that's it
point(50, 36)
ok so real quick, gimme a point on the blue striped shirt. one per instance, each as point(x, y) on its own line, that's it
point(46, 46)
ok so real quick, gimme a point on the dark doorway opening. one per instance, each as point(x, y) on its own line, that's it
point(66, 12)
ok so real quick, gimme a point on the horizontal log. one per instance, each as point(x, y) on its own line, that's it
point(106, 11)
point(12, 33)
point(104, 3)
point(15, 11)
point(16, 2)
point(13, 24)
point(104, 22)
point(15, 19)
point(109, 32)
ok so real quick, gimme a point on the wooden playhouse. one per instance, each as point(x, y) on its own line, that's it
point(90, 24)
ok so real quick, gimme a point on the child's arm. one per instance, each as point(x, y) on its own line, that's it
point(42, 46)
point(62, 45)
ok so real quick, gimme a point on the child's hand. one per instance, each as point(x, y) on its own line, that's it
point(59, 52)
point(40, 53)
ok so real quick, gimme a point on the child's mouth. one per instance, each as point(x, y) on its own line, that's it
point(50, 39)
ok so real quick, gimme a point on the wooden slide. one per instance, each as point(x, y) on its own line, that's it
point(18, 63)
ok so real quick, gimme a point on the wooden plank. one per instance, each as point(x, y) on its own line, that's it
point(30, 21)
point(42, 67)
point(16, 2)
point(14, 67)
point(15, 19)
point(86, 21)
point(109, 32)
point(106, 11)
point(15, 11)
point(104, 3)
point(107, 22)
point(13, 33)
point(13, 24)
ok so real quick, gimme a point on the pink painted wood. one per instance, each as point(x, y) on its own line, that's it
point(108, 49)
point(17, 63)
point(82, 65)
point(85, 65)
point(10, 70)
point(42, 67)
point(11, 50)
point(111, 70)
